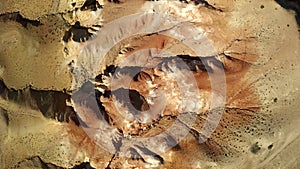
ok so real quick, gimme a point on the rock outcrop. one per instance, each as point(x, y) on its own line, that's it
point(149, 84)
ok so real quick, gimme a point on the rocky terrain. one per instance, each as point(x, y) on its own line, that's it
point(149, 84)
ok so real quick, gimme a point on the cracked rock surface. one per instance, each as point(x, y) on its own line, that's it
point(149, 84)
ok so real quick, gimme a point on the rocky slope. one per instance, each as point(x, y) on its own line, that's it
point(149, 84)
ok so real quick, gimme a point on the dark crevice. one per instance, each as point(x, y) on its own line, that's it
point(52, 104)
point(88, 95)
point(3, 89)
point(131, 71)
point(110, 161)
point(47, 165)
point(291, 5)
point(101, 107)
point(4, 115)
point(84, 165)
point(78, 33)
point(50, 101)
point(135, 99)
point(150, 153)
point(204, 3)
point(37, 162)
point(193, 62)
point(235, 59)
point(135, 155)
point(91, 5)
point(15, 16)
point(117, 143)
point(181, 62)
point(115, 1)
point(171, 142)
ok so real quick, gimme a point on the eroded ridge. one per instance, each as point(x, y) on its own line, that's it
point(144, 101)
point(153, 92)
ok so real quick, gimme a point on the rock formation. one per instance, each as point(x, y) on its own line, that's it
point(149, 84)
